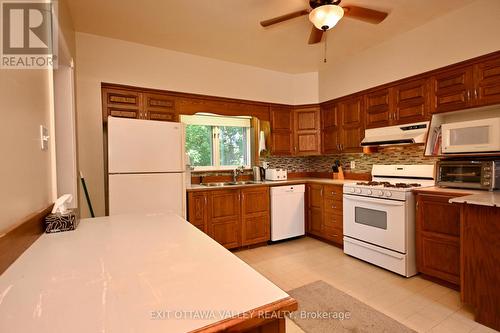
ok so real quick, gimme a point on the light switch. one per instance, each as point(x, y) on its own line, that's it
point(353, 165)
point(44, 138)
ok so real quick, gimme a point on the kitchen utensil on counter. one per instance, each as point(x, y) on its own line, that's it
point(257, 176)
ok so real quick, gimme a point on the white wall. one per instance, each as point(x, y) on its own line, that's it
point(27, 174)
point(466, 33)
point(25, 171)
point(103, 59)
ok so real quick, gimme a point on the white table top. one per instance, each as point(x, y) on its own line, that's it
point(491, 199)
point(112, 272)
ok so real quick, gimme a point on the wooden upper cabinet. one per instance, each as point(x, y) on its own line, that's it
point(281, 130)
point(159, 107)
point(121, 103)
point(224, 223)
point(378, 108)
point(330, 128)
point(307, 131)
point(411, 102)
point(487, 79)
point(351, 123)
point(452, 89)
point(255, 219)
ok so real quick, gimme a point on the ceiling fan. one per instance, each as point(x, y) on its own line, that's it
point(325, 14)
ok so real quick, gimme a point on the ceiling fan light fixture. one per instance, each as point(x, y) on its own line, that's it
point(326, 17)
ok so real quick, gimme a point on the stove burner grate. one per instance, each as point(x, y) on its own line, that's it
point(388, 184)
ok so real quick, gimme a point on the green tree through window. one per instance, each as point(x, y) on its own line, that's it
point(217, 142)
point(199, 145)
point(233, 141)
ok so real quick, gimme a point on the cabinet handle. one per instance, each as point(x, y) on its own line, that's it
point(206, 201)
point(468, 95)
point(475, 93)
point(321, 192)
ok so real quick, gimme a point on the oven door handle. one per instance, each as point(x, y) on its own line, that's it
point(377, 201)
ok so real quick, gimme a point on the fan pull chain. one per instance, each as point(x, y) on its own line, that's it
point(326, 47)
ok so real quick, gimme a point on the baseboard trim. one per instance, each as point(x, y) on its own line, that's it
point(19, 238)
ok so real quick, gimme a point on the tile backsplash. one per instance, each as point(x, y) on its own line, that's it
point(364, 162)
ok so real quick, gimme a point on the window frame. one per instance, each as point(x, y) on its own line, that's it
point(215, 122)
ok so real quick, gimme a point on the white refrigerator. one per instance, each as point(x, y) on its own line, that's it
point(146, 167)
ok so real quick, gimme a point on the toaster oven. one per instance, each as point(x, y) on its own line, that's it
point(481, 175)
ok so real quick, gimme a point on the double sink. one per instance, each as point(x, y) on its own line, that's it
point(221, 184)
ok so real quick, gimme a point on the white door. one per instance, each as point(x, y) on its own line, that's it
point(144, 146)
point(146, 193)
point(377, 221)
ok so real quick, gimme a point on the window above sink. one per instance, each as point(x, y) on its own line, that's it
point(218, 142)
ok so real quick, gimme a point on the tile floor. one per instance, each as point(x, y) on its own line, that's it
point(419, 304)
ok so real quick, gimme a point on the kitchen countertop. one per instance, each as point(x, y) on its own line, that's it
point(112, 272)
point(437, 189)
point(473, 197)
point(491, 199)
point(293, 181)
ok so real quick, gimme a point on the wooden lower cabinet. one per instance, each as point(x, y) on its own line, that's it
point(325, 212)
point(232, 217)
point(438, 237)
point(197, 209)
point(224, 217)
point(480, 260)
point(255, 220)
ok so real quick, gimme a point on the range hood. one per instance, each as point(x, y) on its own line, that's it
point(396, 135)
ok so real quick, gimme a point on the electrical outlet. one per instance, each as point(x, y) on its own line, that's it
point(44, 138)
point(353, 165)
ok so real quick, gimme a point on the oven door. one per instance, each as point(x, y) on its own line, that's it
point(376, 221)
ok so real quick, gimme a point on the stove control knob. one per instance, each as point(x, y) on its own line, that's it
point(351, 190)
point(358, 190)
point(388, 194)
point(380, 193)
point(369, 192)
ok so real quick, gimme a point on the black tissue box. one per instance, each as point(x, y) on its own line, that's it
point(61, 222)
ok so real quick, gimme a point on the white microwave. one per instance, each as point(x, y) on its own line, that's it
point(475, 136)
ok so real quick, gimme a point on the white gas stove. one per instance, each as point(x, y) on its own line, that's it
point(379, 216)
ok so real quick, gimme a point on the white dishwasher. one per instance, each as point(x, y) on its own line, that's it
point(287, 211)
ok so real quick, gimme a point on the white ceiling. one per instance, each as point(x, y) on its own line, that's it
point(229, 29)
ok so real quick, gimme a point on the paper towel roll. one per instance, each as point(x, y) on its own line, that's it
point(262, 141)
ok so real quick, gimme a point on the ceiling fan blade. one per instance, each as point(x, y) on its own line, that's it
point(365, 14)
point(315, 36)
point(285, 17)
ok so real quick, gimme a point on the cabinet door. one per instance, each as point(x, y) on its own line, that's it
point(411, 102)
point(224, 224)
point(378, 108)
point(159, 107)
point(307, 131)
point(315, 209)
point(198, 209)
point(451, 90)
point(438, 237)
point(255, 221)
point(487, 78)
point(281, 130)
point(352, 124)
point(330, 129)
point(121, 103)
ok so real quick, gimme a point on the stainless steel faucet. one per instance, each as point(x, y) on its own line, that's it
point(238, 171)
